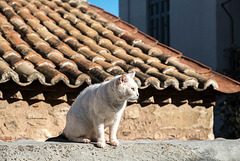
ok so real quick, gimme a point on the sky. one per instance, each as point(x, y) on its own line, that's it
point(108, 5)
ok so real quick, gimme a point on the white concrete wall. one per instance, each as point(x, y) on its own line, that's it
point(193, 29)
point(221, 150)
point(123, 10)
point(134, 12)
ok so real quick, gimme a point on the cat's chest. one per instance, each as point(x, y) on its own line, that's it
point(110, 117)
point(108, 122)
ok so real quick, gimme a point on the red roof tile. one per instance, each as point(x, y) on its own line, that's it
point(52, 41)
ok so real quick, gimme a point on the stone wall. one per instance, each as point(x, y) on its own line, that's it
point(38, 121)
point(167, 122)
point(42, 120)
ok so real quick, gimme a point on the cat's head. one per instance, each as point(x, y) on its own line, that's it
point(127, 87)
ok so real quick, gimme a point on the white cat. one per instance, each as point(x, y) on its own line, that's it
point(100, 106)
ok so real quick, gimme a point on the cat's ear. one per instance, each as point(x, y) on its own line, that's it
point(122, 79)
point(132, 74)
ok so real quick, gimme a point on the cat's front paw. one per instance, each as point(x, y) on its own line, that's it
point(101, 144)
point(106, 139)
point(85, 140)
point(114, 142)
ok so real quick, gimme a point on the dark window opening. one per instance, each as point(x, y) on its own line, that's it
point(158, 20)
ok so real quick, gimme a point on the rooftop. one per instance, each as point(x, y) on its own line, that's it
point(77, 43)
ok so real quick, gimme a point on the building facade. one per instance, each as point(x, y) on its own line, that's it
point(199, 29)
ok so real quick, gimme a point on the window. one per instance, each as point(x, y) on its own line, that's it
point(158, 20)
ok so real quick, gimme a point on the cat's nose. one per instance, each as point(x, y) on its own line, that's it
point(138, 95)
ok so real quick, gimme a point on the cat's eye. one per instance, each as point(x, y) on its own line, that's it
point(133, 89)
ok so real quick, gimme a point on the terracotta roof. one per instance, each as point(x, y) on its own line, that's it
point(55, 41)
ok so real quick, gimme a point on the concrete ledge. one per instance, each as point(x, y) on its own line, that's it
point(127, 150)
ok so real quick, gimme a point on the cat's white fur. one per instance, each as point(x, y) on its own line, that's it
point(98, 107)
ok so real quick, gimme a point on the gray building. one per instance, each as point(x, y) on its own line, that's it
point(201, 30)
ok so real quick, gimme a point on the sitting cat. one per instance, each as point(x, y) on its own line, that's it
point(100, 106)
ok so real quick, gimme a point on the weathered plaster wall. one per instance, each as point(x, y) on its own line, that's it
point(41, 120)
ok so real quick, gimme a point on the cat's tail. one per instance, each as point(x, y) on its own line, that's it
point(60, 138)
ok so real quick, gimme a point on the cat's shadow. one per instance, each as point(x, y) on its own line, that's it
point(62, 139)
